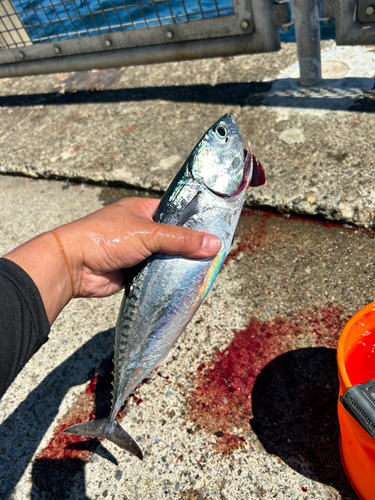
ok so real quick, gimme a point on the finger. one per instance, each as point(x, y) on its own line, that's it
point(175, 240)
point(141, 206)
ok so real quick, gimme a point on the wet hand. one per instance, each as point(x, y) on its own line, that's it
point(99, 247)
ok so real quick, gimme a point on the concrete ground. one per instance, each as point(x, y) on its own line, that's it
point(269, 326)
point(136, 126)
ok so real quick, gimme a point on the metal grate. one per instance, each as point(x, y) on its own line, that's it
point(23, 22)
point(12, 31)
point(49, 36)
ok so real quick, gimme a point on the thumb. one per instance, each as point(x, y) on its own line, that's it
point(176, 240)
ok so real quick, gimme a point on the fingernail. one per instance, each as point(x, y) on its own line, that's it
point(211, 243)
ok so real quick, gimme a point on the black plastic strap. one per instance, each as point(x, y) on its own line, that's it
point(359, 401)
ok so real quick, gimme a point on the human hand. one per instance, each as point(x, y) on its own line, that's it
point(99, 246)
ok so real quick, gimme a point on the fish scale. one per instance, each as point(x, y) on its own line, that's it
point(207, 194)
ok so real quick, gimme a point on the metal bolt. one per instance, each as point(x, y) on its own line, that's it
point(370, 10)
point(108, 43)
point(245, 24)
point(170, 34)
point(57, 50)
point(286, 27)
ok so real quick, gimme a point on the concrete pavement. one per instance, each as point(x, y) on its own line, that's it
point(270, 325)
point(136, 126)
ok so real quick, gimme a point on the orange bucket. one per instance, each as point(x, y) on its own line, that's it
point(356, 365)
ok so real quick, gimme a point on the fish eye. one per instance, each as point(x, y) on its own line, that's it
point(222, 131)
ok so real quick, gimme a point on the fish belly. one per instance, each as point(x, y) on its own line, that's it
point(160, 303)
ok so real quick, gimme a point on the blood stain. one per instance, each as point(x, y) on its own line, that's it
point(221, 400)
point(312, 219)
point(62, 446)
point(137, 401)
point(253, 237)
point(93, 402)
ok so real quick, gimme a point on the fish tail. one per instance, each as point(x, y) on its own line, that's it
point(104, 428)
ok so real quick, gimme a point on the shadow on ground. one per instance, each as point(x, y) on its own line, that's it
point(294, 404)
point(22, 432)
point(287, 93)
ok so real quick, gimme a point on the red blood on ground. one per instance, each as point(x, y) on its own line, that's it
point(312, 219)
point(256, 235)
point(93, 402)
point(165, 377)
point(253, 238)
point(81, 411)
point(221, 400)
point(137, 401)
point(303, 489)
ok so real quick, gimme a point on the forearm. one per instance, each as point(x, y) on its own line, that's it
point(24, 324)
point(43, 261)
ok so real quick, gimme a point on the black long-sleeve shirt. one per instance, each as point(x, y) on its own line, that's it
point(24, 326)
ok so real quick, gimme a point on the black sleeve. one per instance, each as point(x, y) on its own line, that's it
point(24, 326)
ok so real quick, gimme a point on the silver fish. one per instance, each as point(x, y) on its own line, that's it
point(207, 194)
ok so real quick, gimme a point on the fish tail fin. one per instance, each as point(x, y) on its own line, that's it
point(104, 428)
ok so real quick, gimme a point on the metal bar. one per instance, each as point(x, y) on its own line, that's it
point(264, 24)
point(128, 13)
point(157, 13)
point(200, 8)
point(217, 8)
point(185, 11)
point(250, 30)
point(328, 8)
point(197, 49)
point(305, 14)
point(205, 28)
point(281, 15)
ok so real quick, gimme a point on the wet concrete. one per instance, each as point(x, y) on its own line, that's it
point(245, 404)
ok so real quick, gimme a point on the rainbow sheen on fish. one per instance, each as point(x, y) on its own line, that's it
point(207, 194)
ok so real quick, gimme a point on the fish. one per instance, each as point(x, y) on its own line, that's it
point(165, 291)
